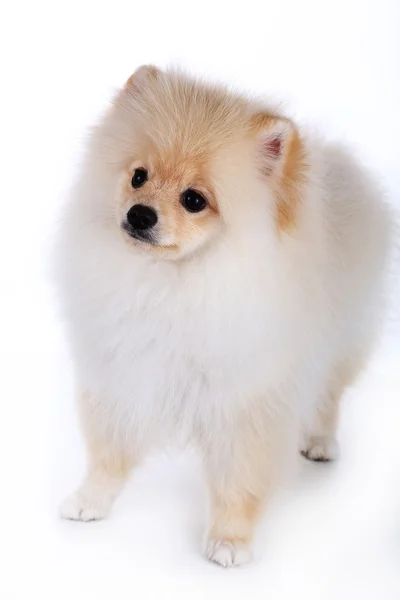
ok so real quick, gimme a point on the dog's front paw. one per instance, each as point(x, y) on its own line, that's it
point(83, 506)
point(321, 448)
point(228, 553)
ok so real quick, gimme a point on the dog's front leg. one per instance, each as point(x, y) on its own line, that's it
point(243, 464)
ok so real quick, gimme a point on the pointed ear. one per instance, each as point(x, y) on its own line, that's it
point(274, 138)
point(141, 77)
point(283, 163)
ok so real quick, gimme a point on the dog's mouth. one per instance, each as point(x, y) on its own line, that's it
point(142, 235)
point(148, 239)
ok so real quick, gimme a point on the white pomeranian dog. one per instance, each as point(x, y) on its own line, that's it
point(221, 275)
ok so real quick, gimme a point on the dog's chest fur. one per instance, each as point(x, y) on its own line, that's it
point(179, 342)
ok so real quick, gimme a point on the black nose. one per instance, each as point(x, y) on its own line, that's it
point(141, 217)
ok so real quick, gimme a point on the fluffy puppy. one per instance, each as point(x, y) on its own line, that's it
point(221, 277)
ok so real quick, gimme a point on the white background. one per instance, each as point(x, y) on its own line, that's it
point(336, 532)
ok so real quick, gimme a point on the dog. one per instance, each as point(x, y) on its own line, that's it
point(221, 274)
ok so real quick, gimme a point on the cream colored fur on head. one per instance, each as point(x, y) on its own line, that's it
point(237, 327)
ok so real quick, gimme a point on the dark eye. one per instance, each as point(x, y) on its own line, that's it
point(139, 178)
point(193, 201)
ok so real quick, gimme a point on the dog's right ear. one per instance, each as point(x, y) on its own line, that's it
point(141, 77)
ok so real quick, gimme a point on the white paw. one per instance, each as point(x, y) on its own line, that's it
point(84, 507)
point(321, 449)
point(228, 553)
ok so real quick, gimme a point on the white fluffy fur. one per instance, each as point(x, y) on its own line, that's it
point(242, 340)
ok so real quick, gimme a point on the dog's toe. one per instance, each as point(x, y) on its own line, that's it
point(79, 507)
point(321, 449)
point(228, 553)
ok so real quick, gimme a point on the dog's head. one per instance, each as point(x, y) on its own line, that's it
point(192, 161)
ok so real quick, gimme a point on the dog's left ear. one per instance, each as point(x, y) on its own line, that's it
point(276, 139)
point(282, 162)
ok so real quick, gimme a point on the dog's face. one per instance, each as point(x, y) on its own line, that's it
point(193, 159)
point(167, 205)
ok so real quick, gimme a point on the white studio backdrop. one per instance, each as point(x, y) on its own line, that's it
point(337, 66)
